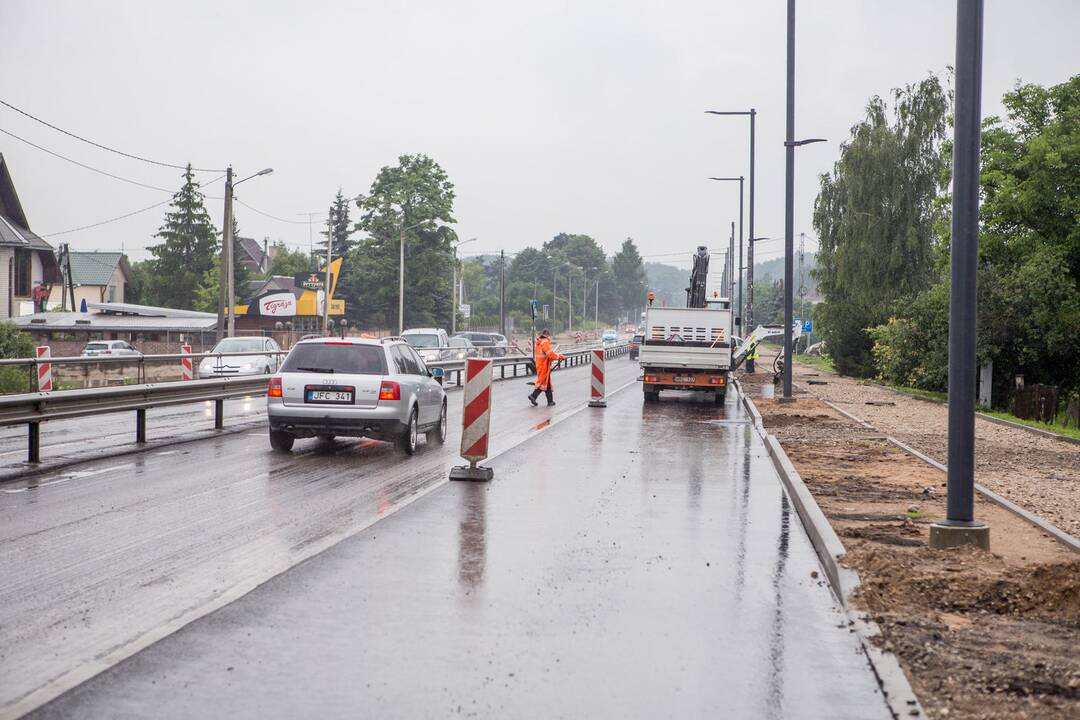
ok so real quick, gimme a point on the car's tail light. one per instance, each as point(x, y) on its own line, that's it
point(275, 387)
point(651, 378)
point(389, 390)
point(719, 380)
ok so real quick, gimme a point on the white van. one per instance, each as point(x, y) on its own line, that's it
point(430, 343)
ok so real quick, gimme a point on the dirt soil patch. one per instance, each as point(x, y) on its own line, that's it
point(979, 634)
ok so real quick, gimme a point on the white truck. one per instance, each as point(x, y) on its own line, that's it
point(689, 348)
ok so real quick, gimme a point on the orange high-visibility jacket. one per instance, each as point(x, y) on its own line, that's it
point(544, 357)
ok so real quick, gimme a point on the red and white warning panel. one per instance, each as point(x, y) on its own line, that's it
point(185, 363)
point(596, 386)
point(475, 421)
point(44, 369)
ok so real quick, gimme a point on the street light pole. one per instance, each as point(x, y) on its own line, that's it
point(747, 313)
point(326, 283)
point(789, 194)
point(401, 276)
point(960, 526)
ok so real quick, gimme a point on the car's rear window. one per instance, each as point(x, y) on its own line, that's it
point(97, 346)
point(638, 338)
point(338, 358)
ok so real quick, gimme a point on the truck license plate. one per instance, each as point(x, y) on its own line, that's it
point(343, 396)
point(684, 378)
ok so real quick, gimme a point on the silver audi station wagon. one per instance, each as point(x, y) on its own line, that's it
point(356, 387)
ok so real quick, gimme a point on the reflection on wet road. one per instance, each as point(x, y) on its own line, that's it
point(638, 561)
point(104, 556)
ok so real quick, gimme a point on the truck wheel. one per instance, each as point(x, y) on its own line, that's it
point(652, 395)
point(718, 398)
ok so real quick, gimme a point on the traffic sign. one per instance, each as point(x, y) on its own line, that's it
point(808, 326)
point(534, 306)
point(465, 310)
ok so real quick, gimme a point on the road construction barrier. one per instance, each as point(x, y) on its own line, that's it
point(44, 369)
point(185, 363)
point(596, 386)
point(475, 421)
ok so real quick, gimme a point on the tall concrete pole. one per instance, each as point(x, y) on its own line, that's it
point(326, 286)
point(739, 308)
point(749, 316)
point(401, 276)
point(224, 277)
point(789, 197)
point(960, 526)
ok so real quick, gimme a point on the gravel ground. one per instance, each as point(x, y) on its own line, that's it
point(1038, 473)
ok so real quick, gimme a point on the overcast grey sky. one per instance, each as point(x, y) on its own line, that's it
point(558, 116)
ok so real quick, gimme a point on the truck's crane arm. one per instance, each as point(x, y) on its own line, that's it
point(695, 294)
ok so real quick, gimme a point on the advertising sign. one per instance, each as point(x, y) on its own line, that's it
point(466, 310)
point(281, 304)
point(310, 280)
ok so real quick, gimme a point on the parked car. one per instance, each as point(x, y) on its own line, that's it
point(356, 387)
point(489, 344)
point(461, 348)
point(109, 347)
point(265, 363)
point(431, 343)
point(635, 346)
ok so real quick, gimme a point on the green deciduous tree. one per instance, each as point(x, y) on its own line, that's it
point(284, 261)
point(875, 218)
point(628, 277)
point(415, 195)
point(188, 245)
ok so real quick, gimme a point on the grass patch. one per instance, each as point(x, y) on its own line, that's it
point(1052, 427)
point(917, 514)
point(927, 394)
point(816, 361)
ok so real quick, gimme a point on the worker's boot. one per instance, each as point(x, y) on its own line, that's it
point(532, 399)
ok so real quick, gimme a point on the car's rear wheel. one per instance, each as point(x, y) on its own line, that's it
point(438, 433)
point(408, 438)
point(327, 437)
point(281, 440)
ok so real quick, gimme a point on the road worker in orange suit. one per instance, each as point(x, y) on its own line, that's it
point(544, 356)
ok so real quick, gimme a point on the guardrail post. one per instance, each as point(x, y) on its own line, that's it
point(219, 414)
point(459, 378)
point(140, 425)
point(34, 444)
point(502, 372)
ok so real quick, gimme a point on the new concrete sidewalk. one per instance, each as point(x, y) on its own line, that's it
point(633, 561)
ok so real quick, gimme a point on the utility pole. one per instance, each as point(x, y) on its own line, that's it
point(569, 302)
point(225, 268)
point(596, 309)
point(789, 191)
point(329, 255)
point(554, 297)
point(960, 526)
point(802, 278)
point(453, 295)
point(731, 273)
point(401, 276)
point(502, 292)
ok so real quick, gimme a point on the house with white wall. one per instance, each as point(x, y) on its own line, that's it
point(26, 261)
point(97, 277)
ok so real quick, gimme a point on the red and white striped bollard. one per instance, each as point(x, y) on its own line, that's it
point(475, 421)
point(596, 384)
point(185, 363)
point(44, 369)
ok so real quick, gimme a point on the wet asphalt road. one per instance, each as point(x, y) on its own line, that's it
point(638, 561)
point(103, 557)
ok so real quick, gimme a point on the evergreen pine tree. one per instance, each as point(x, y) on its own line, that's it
point(188, 245)
point(343, 228)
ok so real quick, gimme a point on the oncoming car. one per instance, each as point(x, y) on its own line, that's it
point(264, 363)
point(356, 387)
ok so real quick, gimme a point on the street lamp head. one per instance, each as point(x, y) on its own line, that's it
point(265, 171)
point(727, 178)
point(808, 141)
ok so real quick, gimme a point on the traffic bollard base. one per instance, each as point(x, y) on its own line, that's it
point(949, 535)
point(597, 403)
point(474, 472)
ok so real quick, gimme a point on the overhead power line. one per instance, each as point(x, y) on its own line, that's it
point(272, 217)
point(84, 165)
point(103, 147)
point(110, 220)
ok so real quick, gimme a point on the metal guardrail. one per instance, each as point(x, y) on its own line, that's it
point(34, 408)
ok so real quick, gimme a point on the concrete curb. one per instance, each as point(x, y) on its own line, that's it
point(899, 696)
